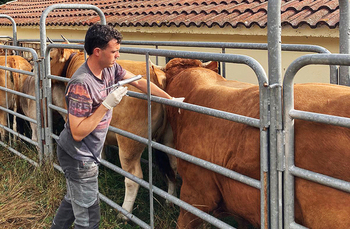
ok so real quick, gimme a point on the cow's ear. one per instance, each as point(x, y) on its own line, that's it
point(212, 65)
point(159, 77)
point(61, 53)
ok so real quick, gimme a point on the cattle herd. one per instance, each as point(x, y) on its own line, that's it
point(318, 147)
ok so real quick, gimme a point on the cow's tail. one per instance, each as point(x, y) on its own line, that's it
point(161, 158)
point(163, 163)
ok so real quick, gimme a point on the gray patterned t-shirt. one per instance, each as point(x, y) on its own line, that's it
point(83, 97)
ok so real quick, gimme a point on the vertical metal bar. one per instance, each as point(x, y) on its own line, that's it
point(264, 147)
point(38, 111)
point(48, 97)
point(157, 59)
point(150, 160)
point(223, 64)
point(288, 122)
point(7, 99)
point(275, 78)
point(344, 39)
point(334, 74)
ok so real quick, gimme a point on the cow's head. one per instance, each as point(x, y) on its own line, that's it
point(177, 65)
point(59, 57)
point(159, 77)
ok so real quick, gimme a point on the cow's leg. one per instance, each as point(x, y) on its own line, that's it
point(168, 140)
point(172, 184)
point(14, 126)
point(3, 121)
point(34, 128)
point(199, 190)
point(130, 162)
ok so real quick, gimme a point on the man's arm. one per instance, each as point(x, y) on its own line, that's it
point(142, 85)
point(81, 127)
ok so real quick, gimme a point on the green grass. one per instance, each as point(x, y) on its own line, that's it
point(30, 196)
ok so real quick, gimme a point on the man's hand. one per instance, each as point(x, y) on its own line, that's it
point(180, 99)
point(114, 98)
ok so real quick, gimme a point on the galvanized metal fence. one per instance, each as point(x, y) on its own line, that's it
point(279, 210)
point(37, 121)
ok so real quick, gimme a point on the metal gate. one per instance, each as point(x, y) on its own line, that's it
point(276, 136)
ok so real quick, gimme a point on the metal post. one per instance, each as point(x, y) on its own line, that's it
point(344, 39)
point(275, 79)
point(150, 160)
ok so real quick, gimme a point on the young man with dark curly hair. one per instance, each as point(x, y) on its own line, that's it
point(89, 106)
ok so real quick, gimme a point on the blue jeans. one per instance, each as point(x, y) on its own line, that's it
point(81, 202)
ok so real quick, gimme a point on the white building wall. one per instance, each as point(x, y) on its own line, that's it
point(324, 37)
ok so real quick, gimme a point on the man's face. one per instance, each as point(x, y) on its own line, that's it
point(110, 54)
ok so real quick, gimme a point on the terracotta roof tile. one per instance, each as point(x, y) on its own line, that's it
point(188, 13)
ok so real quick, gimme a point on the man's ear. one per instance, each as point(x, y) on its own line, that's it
point(97, 51)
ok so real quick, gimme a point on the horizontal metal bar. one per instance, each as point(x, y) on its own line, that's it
point(320, 178)
point(23, 49)
point(54, 136)
point(208, 165)
point(19, 135)
point(129, 215)
point(18, 115)
point(18, 93)
point(19, 154)
point(254, 46)
point(6, 36)
point(17, 70)
point(200, 109)
point(321, 118)
point(60, 109)
point(60, 78)
point(294, 225)
point(317, 59)
point(232, 58)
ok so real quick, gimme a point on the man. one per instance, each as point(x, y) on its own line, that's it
point(89, 114)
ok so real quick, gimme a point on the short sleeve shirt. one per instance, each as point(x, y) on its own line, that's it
point(84, 94)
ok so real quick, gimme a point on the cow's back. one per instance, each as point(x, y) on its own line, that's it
point(324, 149)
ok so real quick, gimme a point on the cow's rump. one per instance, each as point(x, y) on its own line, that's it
point(318, 147)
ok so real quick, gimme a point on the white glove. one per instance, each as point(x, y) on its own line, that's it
point(114, 98)
point(180, 99)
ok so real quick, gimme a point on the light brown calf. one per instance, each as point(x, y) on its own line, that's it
point(13, 81)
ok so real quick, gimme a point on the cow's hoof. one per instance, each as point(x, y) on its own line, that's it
point(122, 217)
point(169, 203)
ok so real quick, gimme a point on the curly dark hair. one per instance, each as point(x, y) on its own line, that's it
point(99, 35)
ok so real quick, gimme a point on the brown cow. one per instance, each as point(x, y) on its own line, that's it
point(13, 81)
point(28, 106)
point(320, 148)
point(129, 115)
